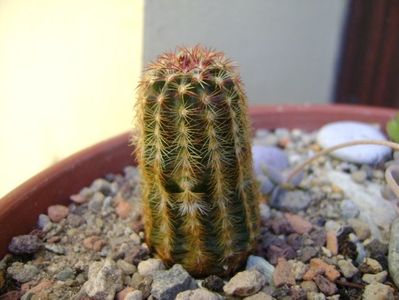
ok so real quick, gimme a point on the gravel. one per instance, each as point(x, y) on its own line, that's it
point(315, 241)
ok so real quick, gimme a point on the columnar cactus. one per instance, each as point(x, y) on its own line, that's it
point(199, 195)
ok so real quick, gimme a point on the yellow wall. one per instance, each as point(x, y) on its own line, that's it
point(68, 69)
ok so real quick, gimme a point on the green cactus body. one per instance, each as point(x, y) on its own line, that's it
point(199, 195)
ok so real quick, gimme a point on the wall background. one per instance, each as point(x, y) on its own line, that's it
point(68, 68)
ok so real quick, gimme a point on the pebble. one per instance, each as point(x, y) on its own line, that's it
point(104, 280)
point(298, 269)
point(283, 273)
point(44, 284)
point(347, 131)
point(126, 268)
point(245, 283)
point(378, 291)
point(361, 228)
point(96, 202)
point(315, 296)
point(371, 266)
point(57, 249)
point(259, 296)
point(347, 268)
point(264, 211)
point(309, 286)
point(292, 201)
point(144, 285)
point(94, 242)
point(65, 274)
point(318, 266)
point(25, 244)
point(198, 294)
point(168, 283)
point(134, 295)
point(123, 208)
point(78, 198)
point(150, 266)
point(393, 252)
point(332, 242)
point(379, 277)
point(332, 225)
point(57, 212)
point(22, 272)
point(359, 176)
point(121, 295)
point(268, 157)
point(349, 209)
point(298, 224)
point(43, 221)
point(214, 283)
point(326, 286)
point(262, 265)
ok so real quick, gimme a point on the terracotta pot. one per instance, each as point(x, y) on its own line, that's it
point(19, 209)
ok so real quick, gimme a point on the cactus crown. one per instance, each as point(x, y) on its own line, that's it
point(199, 199)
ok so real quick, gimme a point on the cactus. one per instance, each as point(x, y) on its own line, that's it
point(200, 204)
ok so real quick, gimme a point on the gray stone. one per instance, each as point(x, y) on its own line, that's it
point(43, 221)
point(262, 265)
point(150, 266)
point(57, 249)
point(65, 274)
point(293, 201)
point(168, 283)
point(376, 291)
point(347, 268)
point(315, 296)
point(347, 131)
point(361, 228)
point(126, 268)
point(268, 157)
point(24, 244)
point(298, 269)
point(96, 202)
point(245, 283)
point(21, 272)
point(349, 209)
point(264, 211)
point(372, 278)
point(393, 252)
point(104, 280)
point(359, 176)
point(198, 294)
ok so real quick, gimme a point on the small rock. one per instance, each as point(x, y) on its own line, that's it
point(347, 268)
point(393, 253)
point(24, 244)
point(283, 273)
point(298, 224)
point(134, 295)
point(309, 286)
point(142, 283)
point(44, 284)
point(332, 225)
point(259, 296)
point(57, 249)
point(78, 198)
point(123, 293)
point(136, 254)
point(96, 202)
point(361, 228)
point(104, 280)
point(94, 242)
point(268, 157)
point(306, 253)
point(168, 283)
point(65, 274)
point(149, 266)
point(292, 201)
point(57, 212)
point(332, 242)
point(318, 266)
point(43, 221)
point(214, 283)
point(347, 131)
point(245, 283)
point(126, 268)
point(315, 296)
point(21, 272)
point(379, 277)
point(327, 287)
point(262, 265)
point(123, 208)
point(75, 220)
point(298, 269)
point(349, 209)
point(264, 210)
point(359, 176)
point(377, 291)
point(197, 294)
point(371, 266)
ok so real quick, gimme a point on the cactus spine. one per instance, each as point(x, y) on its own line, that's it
point(199, 196)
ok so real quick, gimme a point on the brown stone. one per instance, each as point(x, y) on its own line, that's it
point(332, 242)
point(11, 295)
point(94, 242)
point(123, 293)
point(298, 224)
point(283, 273)
point(57, 212)
point(123, 209)
point(42, 285)
point(318, 266)
point(78, 198)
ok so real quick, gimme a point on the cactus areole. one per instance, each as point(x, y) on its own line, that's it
point(200, 202)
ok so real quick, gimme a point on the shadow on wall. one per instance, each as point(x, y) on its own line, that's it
point(287, 50)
